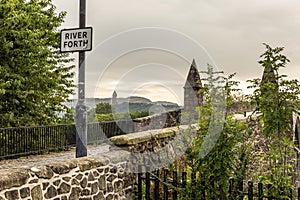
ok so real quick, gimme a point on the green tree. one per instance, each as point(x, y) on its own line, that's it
point(103, 108)
point(215, 153)
point(34, 79)
point(276, 98)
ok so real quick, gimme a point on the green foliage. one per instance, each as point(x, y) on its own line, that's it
point(34, 81)
point(138, 114)
point(121, 116)
point(106, 108)
point(103, 108)
point(214, 153)
point(104, 112)
point(277, 99)
point(105, 117)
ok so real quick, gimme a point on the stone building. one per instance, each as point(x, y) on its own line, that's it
point(192, 98)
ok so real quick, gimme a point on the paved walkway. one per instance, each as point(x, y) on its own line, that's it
point(40, 160)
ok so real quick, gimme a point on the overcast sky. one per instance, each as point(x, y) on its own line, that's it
point(231, 33)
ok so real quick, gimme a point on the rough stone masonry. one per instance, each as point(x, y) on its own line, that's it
point(102, 176)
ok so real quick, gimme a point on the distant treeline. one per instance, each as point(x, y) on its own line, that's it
point(107, 112)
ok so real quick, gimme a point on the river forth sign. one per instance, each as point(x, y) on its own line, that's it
point(75, 40)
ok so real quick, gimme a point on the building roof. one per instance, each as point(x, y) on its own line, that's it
point(193, 79)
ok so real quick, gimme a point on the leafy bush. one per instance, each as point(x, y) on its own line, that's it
point(277, 99)
point(214, 154)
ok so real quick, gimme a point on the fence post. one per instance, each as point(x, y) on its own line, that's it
point(231, 186)
point(183, 183)
point(183, 178)
point(250, 190)
point(203, 189)
point(298, 194)
point(147, 183)
point(269, 193)
point(241, 190)
point(174, 185)
point(260, 191)
point(156, 184)
point(140, 187)
point(193, 177)
point(166, 193)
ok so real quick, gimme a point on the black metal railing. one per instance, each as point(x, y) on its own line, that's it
point(103, 130)
point(166, 184)
point(21, 141)
point(159, 184)
point(31, 140)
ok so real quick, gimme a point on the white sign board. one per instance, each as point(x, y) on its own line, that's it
point(77, 39)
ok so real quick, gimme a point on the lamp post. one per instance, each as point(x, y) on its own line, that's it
point(81, 119)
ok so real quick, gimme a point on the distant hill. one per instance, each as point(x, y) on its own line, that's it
point(165, 103)
point(155, 107)
point(135, 102)
point(136, 99)
point(132, 99)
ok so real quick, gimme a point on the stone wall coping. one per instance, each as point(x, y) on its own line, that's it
point(140, 137)
point(147, 118)
point(13, 178)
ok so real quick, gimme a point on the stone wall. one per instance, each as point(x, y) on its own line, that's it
point(257, 164)
point(155, 148)
point(107, 176)
point(157, 121)
point(84, 178)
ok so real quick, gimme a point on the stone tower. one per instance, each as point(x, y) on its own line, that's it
point(114, 100)
point(192, 99)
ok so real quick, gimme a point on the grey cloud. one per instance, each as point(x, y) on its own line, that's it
point(232, 31)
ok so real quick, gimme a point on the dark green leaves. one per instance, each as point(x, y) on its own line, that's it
point(35, 80)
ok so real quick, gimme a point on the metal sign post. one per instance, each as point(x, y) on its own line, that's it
point(79, 40)
point(81, 120)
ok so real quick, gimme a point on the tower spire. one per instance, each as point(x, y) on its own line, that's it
point(194, 62)
point(192, 98)
point(193, 78)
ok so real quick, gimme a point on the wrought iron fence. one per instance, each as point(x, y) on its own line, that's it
point(20, 141)
point(167, 184)
point(98, 132)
